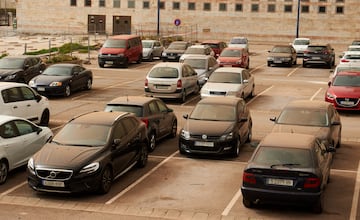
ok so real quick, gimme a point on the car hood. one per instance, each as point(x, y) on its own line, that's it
point(147, 50)
point(108, 50)
point(279, 55)
point(173, 51)
point(200, 71)
point(320, 132)
point(67, 157)
point(345, 91)
point(46, 79)
point(6, 72)
point(222, 86)
point(210, 128)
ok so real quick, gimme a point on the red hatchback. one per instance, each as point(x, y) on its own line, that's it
point(344, 91)
point(234, 57)
point(216, 46)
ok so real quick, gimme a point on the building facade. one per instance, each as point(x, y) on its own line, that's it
point(196, 20)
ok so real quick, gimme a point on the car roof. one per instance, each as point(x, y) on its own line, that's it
point(5, 118)
point(132, 100)
point(19, 56)
point(301, 38)
point(220, 100)
point(148, 40)
point(99, 117)
point(212, 42)
point(198, 56)
point(230, 69)
point(308, 104)
point(284, 45)
point(288, 140)
point(352, 53)
point(199, 46)
point(124, 36)
point(6, 85)
point(169, 64)
point(65, 64)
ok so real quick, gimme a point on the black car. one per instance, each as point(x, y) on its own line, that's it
point(89, 152)
point(282, 55)
point(287, 168)
point(62, 79)
point(159, 118)
point(175, 50)
point(216, 126)
point(322, 54)
point(20, 68)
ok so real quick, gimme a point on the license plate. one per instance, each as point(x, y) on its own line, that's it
point(53, 183)
point(316, 58)
point(41, 89)
point(279, 182)
point(109, 62)
point(162, 87)
point(204, 144)
point(171, 57)
point(277, 61)
point(347, 103)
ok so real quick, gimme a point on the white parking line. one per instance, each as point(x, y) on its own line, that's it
point(231, 203)
point(13, 189)
point(316, 93)
point(140, 179)
point(256, 68)
point(355, 200)
point(292, 72)
point(261, 93)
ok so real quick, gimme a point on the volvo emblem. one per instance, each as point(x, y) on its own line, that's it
point(52, 175)
point(204, 136)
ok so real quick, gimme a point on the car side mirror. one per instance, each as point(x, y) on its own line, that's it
point(273, 119)
point(335, 123)
point(245, 81)
point(39, 130)
point(186, 116)
point(116, 142)
point(243, 119)
point(38, 98)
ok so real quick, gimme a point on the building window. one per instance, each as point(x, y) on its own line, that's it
point(116, 3)
point(322, 9)
point(88, 3)
point(191, 6)
point(288, 8)
point(238, 7)
point(322, 0)
point(271, 8)
point(162, 5)
point(305, 9)
point(131, 4)
point(254, 7)
point(339, 0)
point(146, 4)
point(101, 3)
point(222, 7)
point(73, 2)
point(339, 10)
point(176, 5)
point(207, 6)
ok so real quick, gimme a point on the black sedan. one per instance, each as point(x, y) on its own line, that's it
point(89, 152)
point(287, 168)
point(217, 125)
point(160, 120)
point(62, 79)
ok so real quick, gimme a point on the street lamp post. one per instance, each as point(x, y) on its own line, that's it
point(298, 19)
point(158, 18)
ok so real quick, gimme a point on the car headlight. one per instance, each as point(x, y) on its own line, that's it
point(330, 96)
point(10, 77)
point(32, 83)
point(228, 136)
point(56, 84)
point(163, 54)
point(270, 58)
point(185, 134)
point(120, 54)
point(90, 168)
point(31, 166)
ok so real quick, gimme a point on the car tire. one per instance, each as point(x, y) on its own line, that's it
point(173, 129)
point(304, 64)
point(295, 61)
point(268, 64)
point(197, 89)
point(183, 152)
point(152, 141)
point(45, 118)
point(126, 63)
point(252, 94)
point(143, 156)
point(249, 136)
point(88, 84)
point(105, 180)
point(236, 150)
point(151, 58)
point(4, 170)
point(101, 65)
point(317, 207)
point(139, 59)
point(339, 141)
point(247, 203)
point(248, 64)
point(67, 91)
point(183, 96)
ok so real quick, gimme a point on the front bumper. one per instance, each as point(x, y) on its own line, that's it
point(213, 147)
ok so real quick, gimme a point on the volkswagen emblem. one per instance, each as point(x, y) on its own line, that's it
point(204, 136)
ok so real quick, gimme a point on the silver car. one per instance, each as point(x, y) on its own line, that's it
point(171, 80)
point(151, 49)
point(229, 81)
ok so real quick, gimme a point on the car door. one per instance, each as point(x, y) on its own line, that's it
point(243, 122)
point(15, 104)
point(334, 123)
point(29, 102)
point(30, 69)
point(190, 79)
point(166, 119)
point(324, 159)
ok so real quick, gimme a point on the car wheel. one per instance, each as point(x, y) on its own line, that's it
point(252, 94)
point(139, 59)
point(197, 89)
point(173, 129)
point(247, 203)
point(295, 61)
point(88, 84)
point(67, 91)
point(152, 141)
point(236, 150)
point(105, 180)
point(183, 96)
point(143, 157)
point(101, 65)
point(304, 64)
point(318, 206)
point(268, 64)
point(3, 171)
point(45, 117)
point(339, 141)
point(126, 63)
point(248, 64)
point(151, 58)
point(249, 136)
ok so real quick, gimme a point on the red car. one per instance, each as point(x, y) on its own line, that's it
point(344, 91)
point(234, 57)
point(216, 46)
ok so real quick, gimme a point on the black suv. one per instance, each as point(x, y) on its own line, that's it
point(175, 50)
point(319, 55)
point(89, 152)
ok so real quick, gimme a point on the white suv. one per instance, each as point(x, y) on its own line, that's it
point(18, 99)
point(300, 44)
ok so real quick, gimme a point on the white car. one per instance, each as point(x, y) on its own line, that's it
point(300, 44)
point(350, 57)
point(197, 50)
point(353, 67)
point(18, 99)
point(151, 49)
point(19, 140)
point(241, 42)
point(229, 81)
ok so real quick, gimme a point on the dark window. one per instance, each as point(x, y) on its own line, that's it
point(101, 3)
point(27, 93)
point(116, 3)
point(131, 4)
point(322, 9)
point(176, 5)
point(254, 7)
point(339, 10)
point(24, 127)
point(288, 8)
point(73, 3)
point(8, 130)
point(88, 3)
point(222, 7)
point(271, 8)
point(146, 4)
point(207, 6)
point(162, 5)
point(191, 6)
point(339, 0)
point(238, 7)
point(305, 9)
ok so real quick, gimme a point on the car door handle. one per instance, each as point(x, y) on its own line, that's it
point(15, 106)
point(28, 105)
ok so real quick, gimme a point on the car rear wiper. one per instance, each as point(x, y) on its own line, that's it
point(285, 165)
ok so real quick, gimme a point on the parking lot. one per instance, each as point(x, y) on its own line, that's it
point(173, 186)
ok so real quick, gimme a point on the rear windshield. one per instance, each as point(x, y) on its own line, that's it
point(301, 42)
point(12, 63)
point(192, 50)
point(196, 63)
point(281, 50)
point(307, 117)
point(231, 53)
point(137, 110)
point(177, 46)
point(115, 43)
point(164, 72)
point(225, 77)
point(316, 48)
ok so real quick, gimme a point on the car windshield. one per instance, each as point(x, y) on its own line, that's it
point(225, 77)
point(238, 41)
point(301, 42)
point(196, 63)
point(212, 45)
point(164, 72)
point(230, 53)
point(305, 117)
point(13, 63)
point(137, 110)
point(192, 50)
point(82, 135)
point(347, 80)
point(281, 50)
point(288, 157)
point(177, 46)
point(147, 44)
point(57, 71)
point(212, 112)
point(115, 43)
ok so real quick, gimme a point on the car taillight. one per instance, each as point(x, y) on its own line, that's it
point(249, 178)
point(146, 121)
point(179, 84)
point(146, 83)
point(312, 182)
point(306, 51)
point(344, 60)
